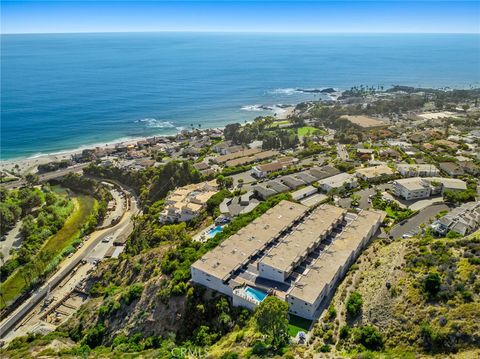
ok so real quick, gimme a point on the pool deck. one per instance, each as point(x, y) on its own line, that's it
point(199, 236)
point(202, 236)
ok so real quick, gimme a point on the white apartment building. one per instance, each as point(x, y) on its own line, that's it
point(342, 180)
point(265, 256)
point(417, 187)
point(185, 203)
point(417, 170)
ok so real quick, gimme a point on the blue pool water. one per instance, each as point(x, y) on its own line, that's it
point(65, 91)
point(214, 231)
point(255, 294)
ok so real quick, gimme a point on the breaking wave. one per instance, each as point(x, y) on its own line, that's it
point(154, 123)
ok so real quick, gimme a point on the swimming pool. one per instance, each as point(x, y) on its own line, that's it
point(255, 294)
point(214, 231)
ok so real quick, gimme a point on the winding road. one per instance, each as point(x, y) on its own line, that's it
point(123, 227)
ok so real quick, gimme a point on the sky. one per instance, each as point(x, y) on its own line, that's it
point(339, 16)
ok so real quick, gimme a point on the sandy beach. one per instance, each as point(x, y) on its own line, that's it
point(23, 166)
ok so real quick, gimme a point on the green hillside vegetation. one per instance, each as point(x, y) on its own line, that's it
point(407, 296)
point(146, 293)
point(40, 263)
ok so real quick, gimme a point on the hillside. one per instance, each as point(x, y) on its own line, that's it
point(400, 315)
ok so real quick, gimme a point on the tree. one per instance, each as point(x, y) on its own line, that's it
point(224, 182)
point(32, 179)
point(354, 304)
point(431, 284)
point(370, 337)
point(271, 319)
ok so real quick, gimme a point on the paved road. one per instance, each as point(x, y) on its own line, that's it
point(342, 152)
point(12, 240)
point(47, 176)
point(69, 264)
point(412, 225)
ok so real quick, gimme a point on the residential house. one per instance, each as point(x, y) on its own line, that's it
point(185, 203)
point(463, 220)
point(340, 181)
point(374, 173)
point(451, 168)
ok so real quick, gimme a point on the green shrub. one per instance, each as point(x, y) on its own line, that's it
point(370, 337)
point(344, 332)
point(332, 312)
point(325, 348)
point(133, 292)
point(431, 284)
point(354, 304)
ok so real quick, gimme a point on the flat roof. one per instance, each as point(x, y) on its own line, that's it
point(324, 269)
point(417, 166)
point(303, 191)
point(337, 180)
point(295, 245)
point(371, 172)
point(324, 171)
point(231, 156)
point(449, 183)
point(412, 184)
point(253, 158)
point(233, 252)
point(365, 121)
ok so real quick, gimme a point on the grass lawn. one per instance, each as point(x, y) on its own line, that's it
point(52, 247)
point(298, 324)
point(279, 123)
point(309, 130)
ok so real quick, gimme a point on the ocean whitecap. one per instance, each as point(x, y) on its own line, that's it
point(155, 123)
point(284, 91)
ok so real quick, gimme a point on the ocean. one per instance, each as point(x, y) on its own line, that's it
point(64, 91)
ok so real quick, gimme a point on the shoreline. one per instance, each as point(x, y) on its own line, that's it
point(29, 164)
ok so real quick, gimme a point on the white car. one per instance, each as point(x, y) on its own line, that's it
point(106, 239)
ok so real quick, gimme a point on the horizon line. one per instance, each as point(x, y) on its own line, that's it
point(241, 32)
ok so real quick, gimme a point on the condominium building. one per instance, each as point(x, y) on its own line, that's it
point(293, 252)
point(464, 219)
point(374, 173)
point(185, 203)
point(417, 170)
point(342, 180)
point(417, 187)
point(411, 188)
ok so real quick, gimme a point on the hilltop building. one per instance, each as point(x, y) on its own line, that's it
point(463, 220)
point(417, 170)
point(185, 203)
point(293, 252)
point(374, 173)
point(417, 187)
